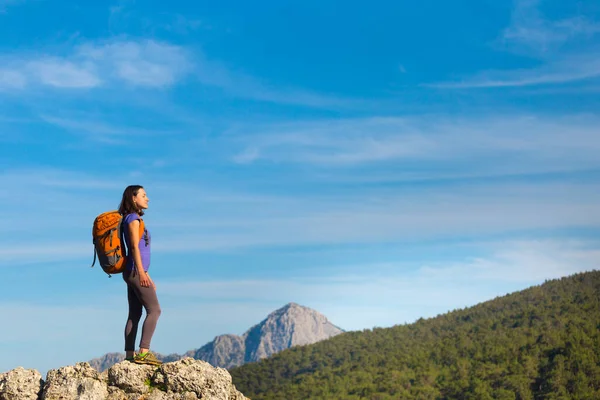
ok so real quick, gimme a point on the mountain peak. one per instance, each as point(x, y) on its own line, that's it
point(291, 325)
point(291, 307)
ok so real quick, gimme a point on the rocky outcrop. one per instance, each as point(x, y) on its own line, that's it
point(187, 379)
point(291, 325)
point(20, 384)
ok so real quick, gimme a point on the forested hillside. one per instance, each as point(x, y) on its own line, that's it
point(540, 343)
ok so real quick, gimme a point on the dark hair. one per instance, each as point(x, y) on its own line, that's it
point(127, 205)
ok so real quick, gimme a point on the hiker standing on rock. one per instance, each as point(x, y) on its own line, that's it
point(141, 290)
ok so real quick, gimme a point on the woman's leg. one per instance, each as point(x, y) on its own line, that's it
point(153, 311)
point(148, 299)
point(133, 319)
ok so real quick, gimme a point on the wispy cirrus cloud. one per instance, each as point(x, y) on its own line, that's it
point(534, 143)
point(96, 130)
point(534, 36)
point(149, 64)
point(145, 63)
point(62, 73)
point(529, 31)
point(571, 68)
point(12, 79)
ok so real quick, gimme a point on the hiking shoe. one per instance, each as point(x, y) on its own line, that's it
point(146, 358)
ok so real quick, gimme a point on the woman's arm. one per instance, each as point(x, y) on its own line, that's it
point(134, 239)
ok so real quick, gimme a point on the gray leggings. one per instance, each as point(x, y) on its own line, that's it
point(138, 297)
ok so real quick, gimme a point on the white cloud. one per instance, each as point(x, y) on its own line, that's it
point(530, 31)
point(64, 74)
point(146, 63)
point(100, 131)
point(11, 79)
point(532, 35)
point(570, 68)
point(524, 262)
point(533, 142)
point(143, 63)
point(96, 128)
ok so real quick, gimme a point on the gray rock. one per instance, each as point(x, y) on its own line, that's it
point(114, 393)
point(200, 378)
point(20, 384)
point(130, 377)
point(79, 382)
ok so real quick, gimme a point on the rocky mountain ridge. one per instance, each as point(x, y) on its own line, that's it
point(186, 379)
point(291, 325)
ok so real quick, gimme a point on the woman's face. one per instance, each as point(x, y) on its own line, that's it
point(141, 199)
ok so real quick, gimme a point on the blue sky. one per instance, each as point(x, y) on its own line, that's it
point(377, 162)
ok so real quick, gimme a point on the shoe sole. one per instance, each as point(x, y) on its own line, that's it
point(147, 363)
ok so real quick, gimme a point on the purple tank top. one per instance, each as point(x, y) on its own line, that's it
point(143, 245)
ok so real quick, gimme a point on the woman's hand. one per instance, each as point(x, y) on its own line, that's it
point(151, 281)
point(145, 280)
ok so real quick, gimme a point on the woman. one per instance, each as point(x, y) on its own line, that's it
point(141, 290)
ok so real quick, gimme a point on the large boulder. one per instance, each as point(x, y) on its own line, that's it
point(198, 377)
point(130, 377)
point(20, 384)
point(79, 382)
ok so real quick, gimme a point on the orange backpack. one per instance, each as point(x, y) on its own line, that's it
point(109, 244)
